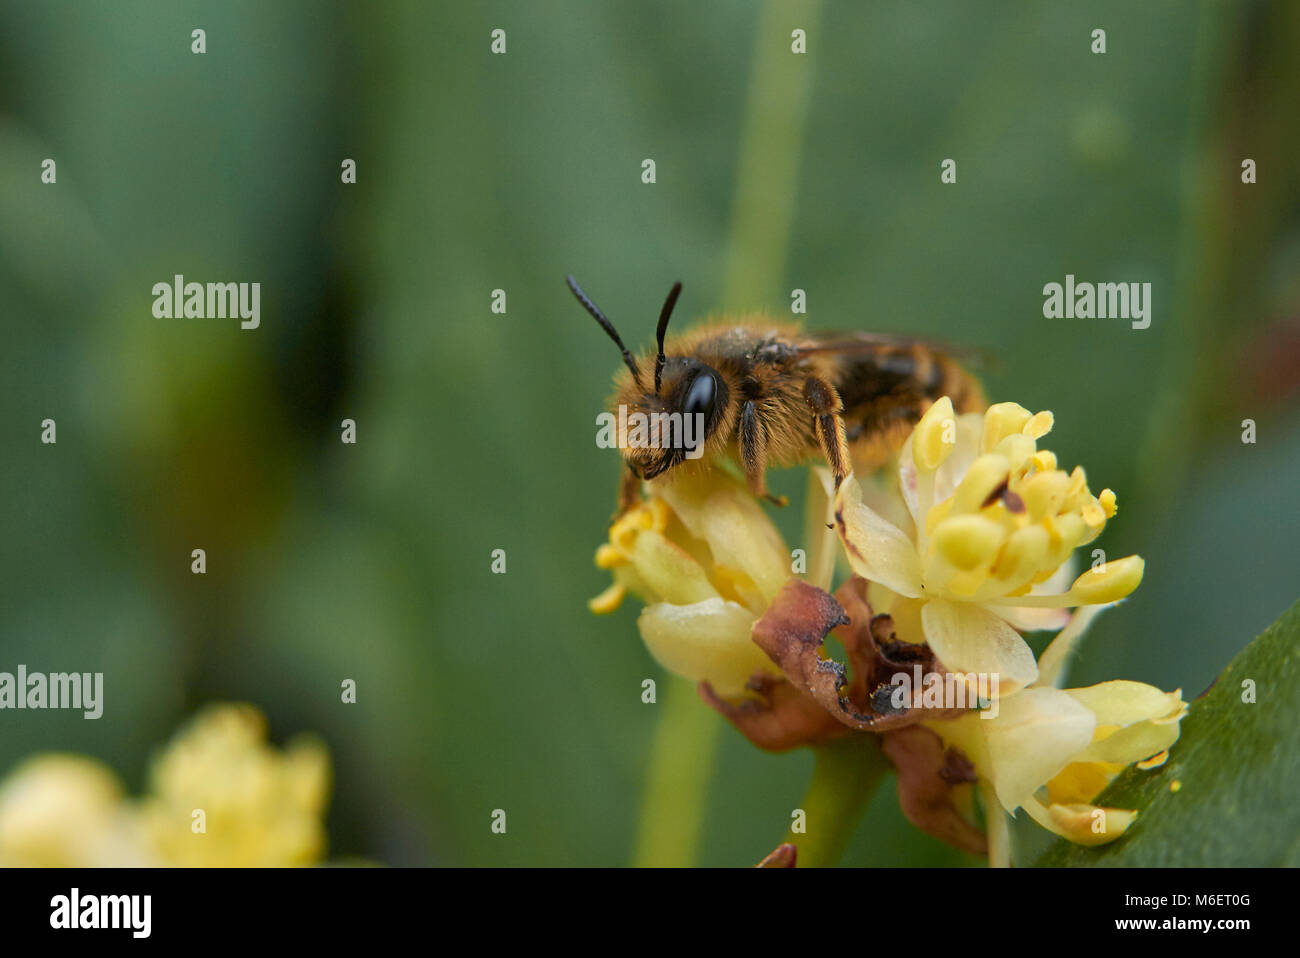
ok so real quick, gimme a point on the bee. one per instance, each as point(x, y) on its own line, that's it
point(769, 394)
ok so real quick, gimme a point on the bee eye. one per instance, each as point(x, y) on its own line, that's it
point(699, 398)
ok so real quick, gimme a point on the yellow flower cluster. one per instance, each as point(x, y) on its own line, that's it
point(995, 525)
point(987, 555)
point(1012, 518)
point(219, 796)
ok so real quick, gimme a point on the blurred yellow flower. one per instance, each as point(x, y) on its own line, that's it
point(67, 811)
point(219, 796)
point(995, 525)
point(259, 806)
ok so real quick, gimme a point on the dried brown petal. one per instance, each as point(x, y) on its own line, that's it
point(781, 718)
point(791, 632)
point(927, 778)
point(783, 856)
point(876, 656)
point(819, 699)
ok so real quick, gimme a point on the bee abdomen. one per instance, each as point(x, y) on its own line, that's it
point(885, 393)
point(903, 376)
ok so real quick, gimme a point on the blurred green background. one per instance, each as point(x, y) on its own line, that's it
point(478, 171)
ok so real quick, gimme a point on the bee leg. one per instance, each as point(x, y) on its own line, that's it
point(753, 453)
point(629, 492)
point(828, 424)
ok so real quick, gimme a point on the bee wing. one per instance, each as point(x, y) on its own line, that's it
point(862, 342)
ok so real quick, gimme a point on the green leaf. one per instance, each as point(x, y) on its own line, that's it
point(1235, 770)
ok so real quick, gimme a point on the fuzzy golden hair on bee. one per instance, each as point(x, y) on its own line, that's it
point(765, 393)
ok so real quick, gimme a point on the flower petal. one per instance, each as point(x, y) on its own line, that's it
point(718, 509)
point(706, 641)
point(1137, 743)
point(877, 550)
point(1080, 782)
point(668, 571)
point(934, 436)
point(905, 612)
point(954, 468)
point(1109, 583)
point(968, 638)
point(1141, 720)
point(1121, 702)
point(1035, 620)
point(1082, 824)
point(1035, 735)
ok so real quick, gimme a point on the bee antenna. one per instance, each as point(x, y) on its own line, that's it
point(664, 315)
point(606, 325)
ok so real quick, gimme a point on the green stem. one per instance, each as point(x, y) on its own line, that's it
point(677, 781)
point(845, 777)
point(770, 148)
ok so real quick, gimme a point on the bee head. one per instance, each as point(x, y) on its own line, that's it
point(659, 430)
point(660, 427)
